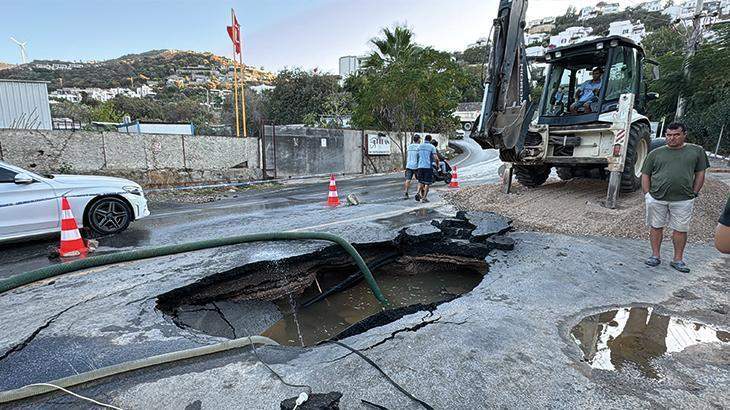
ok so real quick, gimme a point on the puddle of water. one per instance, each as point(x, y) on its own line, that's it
point(406, 282)
point(636, 336)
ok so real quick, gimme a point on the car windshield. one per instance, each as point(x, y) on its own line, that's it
point(21, 170)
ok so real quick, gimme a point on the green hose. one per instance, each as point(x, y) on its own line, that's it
point(117, 257)
point(25, 392)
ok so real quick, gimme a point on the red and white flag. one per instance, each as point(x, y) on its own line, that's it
point(234, 32)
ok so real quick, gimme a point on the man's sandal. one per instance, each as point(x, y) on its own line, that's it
point(680, 266)
point(653, 261)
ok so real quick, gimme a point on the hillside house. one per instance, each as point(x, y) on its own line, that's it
point(626, 28)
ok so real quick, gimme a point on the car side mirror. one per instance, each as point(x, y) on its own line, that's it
point(22, 178)
point(652, 96)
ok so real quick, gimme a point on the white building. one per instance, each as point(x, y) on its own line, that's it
point(258, 89)
point(688, 10)
point(608, 8)
point(586, 13)
point(137, 127)
point(350, 65)
point(535, 38)
point(535, 51)
point(145, 90)
point(712, 6)
point(570, 35)
point(653, 5)
point(626, 28)
point(532, 23)
point(674, 12)
point(548, 20)
point(73, 97)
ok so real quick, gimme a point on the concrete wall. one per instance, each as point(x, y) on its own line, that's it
point(300, 150)
point(150, 159)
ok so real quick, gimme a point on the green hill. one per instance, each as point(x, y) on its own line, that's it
point(143, 67)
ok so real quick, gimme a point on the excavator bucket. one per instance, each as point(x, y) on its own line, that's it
point(506, 108)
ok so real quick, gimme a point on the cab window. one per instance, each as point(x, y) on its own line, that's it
point(7, 175)
point(622, 74)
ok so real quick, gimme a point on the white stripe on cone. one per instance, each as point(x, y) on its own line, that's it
point(66, 214)
point(70, 235)
point(332, 193)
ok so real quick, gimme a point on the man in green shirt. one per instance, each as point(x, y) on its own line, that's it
point(672, 177)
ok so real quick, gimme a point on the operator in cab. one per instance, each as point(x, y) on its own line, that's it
point(587, 92)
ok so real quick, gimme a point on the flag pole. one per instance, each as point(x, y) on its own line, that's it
point(243, 90)
point(235, 79)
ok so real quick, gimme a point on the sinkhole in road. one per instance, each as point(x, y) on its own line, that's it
point(636, 336)
point(304, 299)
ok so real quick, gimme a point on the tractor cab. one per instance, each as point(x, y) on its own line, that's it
point(586, 80)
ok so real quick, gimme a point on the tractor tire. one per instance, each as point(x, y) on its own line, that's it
point(531, 176)
point(636, 152)
point(565, 173)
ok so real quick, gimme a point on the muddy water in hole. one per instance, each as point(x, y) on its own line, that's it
point(400, 285)
point(635, 336)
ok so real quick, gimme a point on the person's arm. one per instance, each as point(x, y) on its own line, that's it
point(722, 238)
point(435, 156)
point(646, 170)
point(645, 183)
point(722, 232)
point(702, 164)
point(699, 181)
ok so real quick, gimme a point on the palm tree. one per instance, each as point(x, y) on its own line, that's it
point(395, 46)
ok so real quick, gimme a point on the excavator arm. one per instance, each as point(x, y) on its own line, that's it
point(506, 107)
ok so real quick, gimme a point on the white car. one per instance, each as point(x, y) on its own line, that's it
point(30, 204)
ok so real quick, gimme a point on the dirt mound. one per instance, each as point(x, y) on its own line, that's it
point(575, 207)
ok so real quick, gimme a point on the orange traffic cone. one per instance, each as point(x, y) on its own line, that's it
point(332, 198)
point(71, 242)
point(454, 179)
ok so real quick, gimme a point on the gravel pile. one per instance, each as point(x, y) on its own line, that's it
point(575, 207)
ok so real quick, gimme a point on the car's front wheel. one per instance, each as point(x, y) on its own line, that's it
point(108, 216)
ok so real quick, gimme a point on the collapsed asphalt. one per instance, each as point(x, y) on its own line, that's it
point(505, 344)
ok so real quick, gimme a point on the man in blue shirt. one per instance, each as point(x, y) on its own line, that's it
point(588, 92)
point(411, 161)
point(424, 174)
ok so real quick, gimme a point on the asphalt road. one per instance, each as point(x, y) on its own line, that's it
point(298, 205)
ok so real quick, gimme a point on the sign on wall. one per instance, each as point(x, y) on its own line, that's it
point(378, 144)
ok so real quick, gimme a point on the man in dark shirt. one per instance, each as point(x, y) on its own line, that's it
point(672, 177)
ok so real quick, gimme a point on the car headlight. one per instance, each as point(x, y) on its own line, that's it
point(133, 190)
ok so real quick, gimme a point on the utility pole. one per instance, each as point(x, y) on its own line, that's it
point(693, 43)
point(719, 139)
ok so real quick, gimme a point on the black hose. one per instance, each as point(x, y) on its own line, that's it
point(22, 279)
point(377, 406)
point(349, 281)
point(391, 381)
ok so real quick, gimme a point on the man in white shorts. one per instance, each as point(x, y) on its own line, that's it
point(672, 177)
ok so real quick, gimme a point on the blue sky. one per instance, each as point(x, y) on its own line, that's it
point(277, 33)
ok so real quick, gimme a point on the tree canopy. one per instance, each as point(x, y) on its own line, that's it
point(299, 93)
point(707, 90)
point(406, 87)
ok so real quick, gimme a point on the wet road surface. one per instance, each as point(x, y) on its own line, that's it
point(298, 205)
